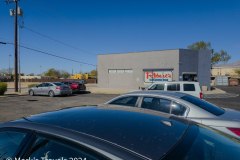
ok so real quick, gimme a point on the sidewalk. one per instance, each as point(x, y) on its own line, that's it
point(214, 91)
point(11, 92)
point(218, 93)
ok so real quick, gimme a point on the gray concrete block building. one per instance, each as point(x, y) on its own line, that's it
point(139, 69)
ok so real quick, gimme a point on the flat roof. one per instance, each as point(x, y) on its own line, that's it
point(143, 51)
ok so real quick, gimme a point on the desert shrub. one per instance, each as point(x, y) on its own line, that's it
point(32, 85)
point(3, 88)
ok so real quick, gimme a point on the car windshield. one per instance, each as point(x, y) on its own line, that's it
point(202, 143)
point(204, 105)
point(58, 84)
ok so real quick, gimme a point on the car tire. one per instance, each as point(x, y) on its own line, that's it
point(51, 94)
point(31, 93)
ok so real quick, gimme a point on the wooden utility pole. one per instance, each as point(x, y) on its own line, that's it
point(16, 47)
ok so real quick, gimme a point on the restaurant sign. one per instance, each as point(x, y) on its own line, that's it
point(156, 76)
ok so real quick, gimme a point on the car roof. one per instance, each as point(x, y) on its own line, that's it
point(156, 92)
point(147, 133)
point(182, 82)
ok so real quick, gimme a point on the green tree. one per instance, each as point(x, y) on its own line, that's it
point(52, 73)
point(216, 57)
point(93, 72)
point(225, 57)
point(200, 45)
point(237, 71)
point(64, 74)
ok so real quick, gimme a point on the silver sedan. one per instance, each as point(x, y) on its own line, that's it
point(183, 105)
point(50, 89)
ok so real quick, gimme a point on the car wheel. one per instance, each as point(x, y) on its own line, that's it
point(31, 93)
point(51, 94)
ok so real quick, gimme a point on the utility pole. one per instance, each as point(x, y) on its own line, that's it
point(9, 69)
point(16, 46)
point(15, 12)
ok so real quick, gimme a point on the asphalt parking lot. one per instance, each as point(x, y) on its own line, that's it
point(13, 107)
point(228, 102)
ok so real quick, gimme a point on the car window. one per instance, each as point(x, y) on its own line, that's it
point(58, 84)
point(178, 109)
point(40, 85)
point(126, 101)
point(46, 84)
point(188, 87)
point(9, 143)
point(173, 87)
point(157, 104)
point(46, 149)
point(204, 105)
point(202, 143)
point(157, 87)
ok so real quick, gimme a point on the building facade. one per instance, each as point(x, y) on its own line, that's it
point(139, 69)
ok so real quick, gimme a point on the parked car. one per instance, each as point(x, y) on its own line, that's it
point(192, 88)
point(50, 89)
point(75, 86)
point(98, 133)
point(183, 105)
point(82, 81)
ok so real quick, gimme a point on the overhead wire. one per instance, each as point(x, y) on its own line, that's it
point(51, 54)
point(56, 40)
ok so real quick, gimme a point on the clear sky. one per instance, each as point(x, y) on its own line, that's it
point(94, 27)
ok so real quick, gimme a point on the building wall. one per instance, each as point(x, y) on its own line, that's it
point(137, 62)
point(224, 71)
point(204, 68)
point(179, 61)
point(188, 62)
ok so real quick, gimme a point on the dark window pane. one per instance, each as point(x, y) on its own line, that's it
point(46, 85)
point(173, 87)
point(58, 84)
point(9, 143)
point(40, 85)
point(206, 144)
point(157, 87)
point(126, 101)
point(153, 87)
point(178, 109)
point(50, 149)
point(204, 105)
point(156, 104)
point(188, 87)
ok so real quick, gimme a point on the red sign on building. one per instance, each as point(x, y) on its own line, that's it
point(154, 76)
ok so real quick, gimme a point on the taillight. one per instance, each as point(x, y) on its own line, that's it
point(201, 95)
point(235, 130)
point(58, 87)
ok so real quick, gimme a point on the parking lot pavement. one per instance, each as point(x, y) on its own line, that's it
point(224, 95)
point(13, 107)
point(227, 102)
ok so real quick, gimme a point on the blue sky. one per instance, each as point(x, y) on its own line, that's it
point(115, 26)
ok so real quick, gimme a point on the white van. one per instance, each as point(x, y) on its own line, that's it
point(192, 88)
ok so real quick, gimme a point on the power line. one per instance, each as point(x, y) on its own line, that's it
point(50, 54)
point(55, 40)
